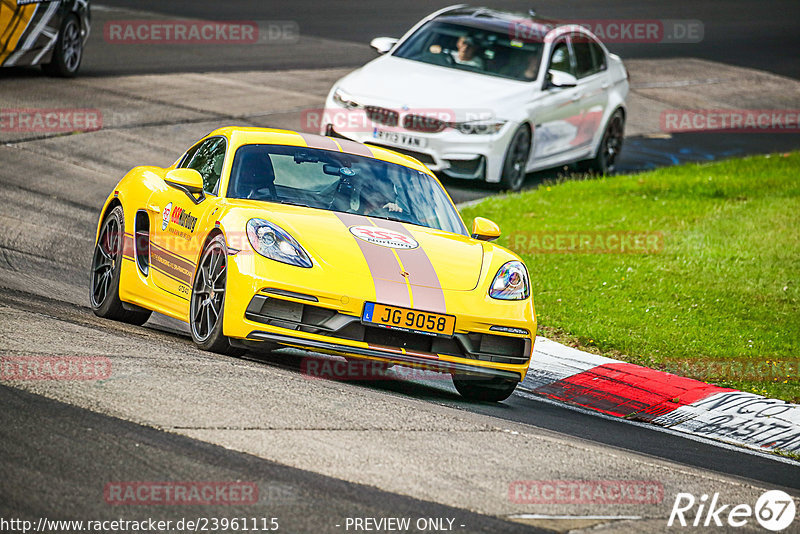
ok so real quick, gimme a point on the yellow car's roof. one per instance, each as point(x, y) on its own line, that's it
point(240, 135)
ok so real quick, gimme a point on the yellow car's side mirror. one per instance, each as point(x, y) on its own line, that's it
point(484, 229)
point(187, 180)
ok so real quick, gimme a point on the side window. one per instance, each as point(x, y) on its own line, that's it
point(560, 58)
point(598, 56)
point(584, 64)
point(207, 158)
point(188, 156)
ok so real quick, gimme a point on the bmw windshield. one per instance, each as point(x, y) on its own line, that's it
point(474, 49)
point(347, 183)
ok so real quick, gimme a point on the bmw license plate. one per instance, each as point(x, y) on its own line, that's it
point(397, 138)
point(404, 319)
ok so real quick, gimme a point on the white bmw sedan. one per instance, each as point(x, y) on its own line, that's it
point(481, 94)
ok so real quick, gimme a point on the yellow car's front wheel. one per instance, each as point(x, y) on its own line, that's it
point(494, 389)
point(207, 303)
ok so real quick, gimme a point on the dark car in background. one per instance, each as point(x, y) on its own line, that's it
point(50, 33)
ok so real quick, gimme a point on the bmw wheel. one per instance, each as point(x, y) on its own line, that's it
point(516, 160)
point(605, 162)
point(105, 275)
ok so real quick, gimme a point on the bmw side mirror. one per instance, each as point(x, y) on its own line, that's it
point(187, 180)
point(383, 44)
point(484, 229)
point(560, 79)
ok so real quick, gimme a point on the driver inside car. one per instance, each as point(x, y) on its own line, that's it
point(255, 177)
point(374, 201)
point(466, 52)
point(374, 196)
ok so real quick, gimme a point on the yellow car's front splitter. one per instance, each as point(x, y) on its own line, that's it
point(390, 355)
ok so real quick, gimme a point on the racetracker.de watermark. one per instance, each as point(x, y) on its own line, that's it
point(50, 120)
point(731, 120)
point(354, 118)
point(55, 368)
point(346, 370)
point(612, 492)
point(180, 493)
point(663, 31)
point(201, 32)
point(623, 242)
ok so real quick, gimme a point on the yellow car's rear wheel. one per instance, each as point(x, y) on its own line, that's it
point(207, 304)
point(105, 275)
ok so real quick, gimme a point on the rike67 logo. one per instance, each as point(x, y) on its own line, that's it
point(774, 510)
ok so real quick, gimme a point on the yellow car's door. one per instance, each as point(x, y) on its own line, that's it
point(179, 234)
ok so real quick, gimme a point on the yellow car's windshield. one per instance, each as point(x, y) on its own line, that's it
point(336, 181)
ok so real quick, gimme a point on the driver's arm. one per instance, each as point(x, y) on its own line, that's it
point(391, 206)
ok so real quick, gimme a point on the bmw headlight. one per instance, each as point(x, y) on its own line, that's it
point(483, 127)
point(511, 282)
point(273, 242)
point(344, 100)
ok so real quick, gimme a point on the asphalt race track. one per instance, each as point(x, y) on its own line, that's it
point(739, 32)
point(319, 451)
point(115, 449)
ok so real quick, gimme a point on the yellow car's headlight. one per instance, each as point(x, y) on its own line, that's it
point(511, 282)
point(273, 242)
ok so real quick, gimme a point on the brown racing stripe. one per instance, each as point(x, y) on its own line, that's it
point(163, 260)
point(128, 253)
point(318, 141)
point(390, 286)
point(429, 355)
point(352, 147)
point(385, 348)
point(425, 284)
point(181, 282)
point(164, 263)
point(175, 258)
point(127, 246)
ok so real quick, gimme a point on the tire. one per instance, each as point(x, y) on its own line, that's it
point(484, 389)
point(605, 162)
point(207, 303)
point(68, 50)
point(105, 274)
point(513, 174)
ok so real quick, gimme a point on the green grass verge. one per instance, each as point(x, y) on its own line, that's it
point(721, 294)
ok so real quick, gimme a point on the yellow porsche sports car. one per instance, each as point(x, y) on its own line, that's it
point(271, 237)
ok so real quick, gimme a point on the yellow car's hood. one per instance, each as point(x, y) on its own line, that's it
point(377, 248)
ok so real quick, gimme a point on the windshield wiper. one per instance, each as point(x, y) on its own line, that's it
point(289, 202)
point(395, 219)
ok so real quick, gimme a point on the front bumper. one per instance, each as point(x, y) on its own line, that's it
point(457, 155)
point(303, 316)
point(384, 354)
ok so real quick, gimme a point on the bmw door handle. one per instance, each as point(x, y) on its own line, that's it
point(605, 85)
point(576, 97)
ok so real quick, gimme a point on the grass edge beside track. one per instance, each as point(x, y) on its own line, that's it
point(717, 296)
